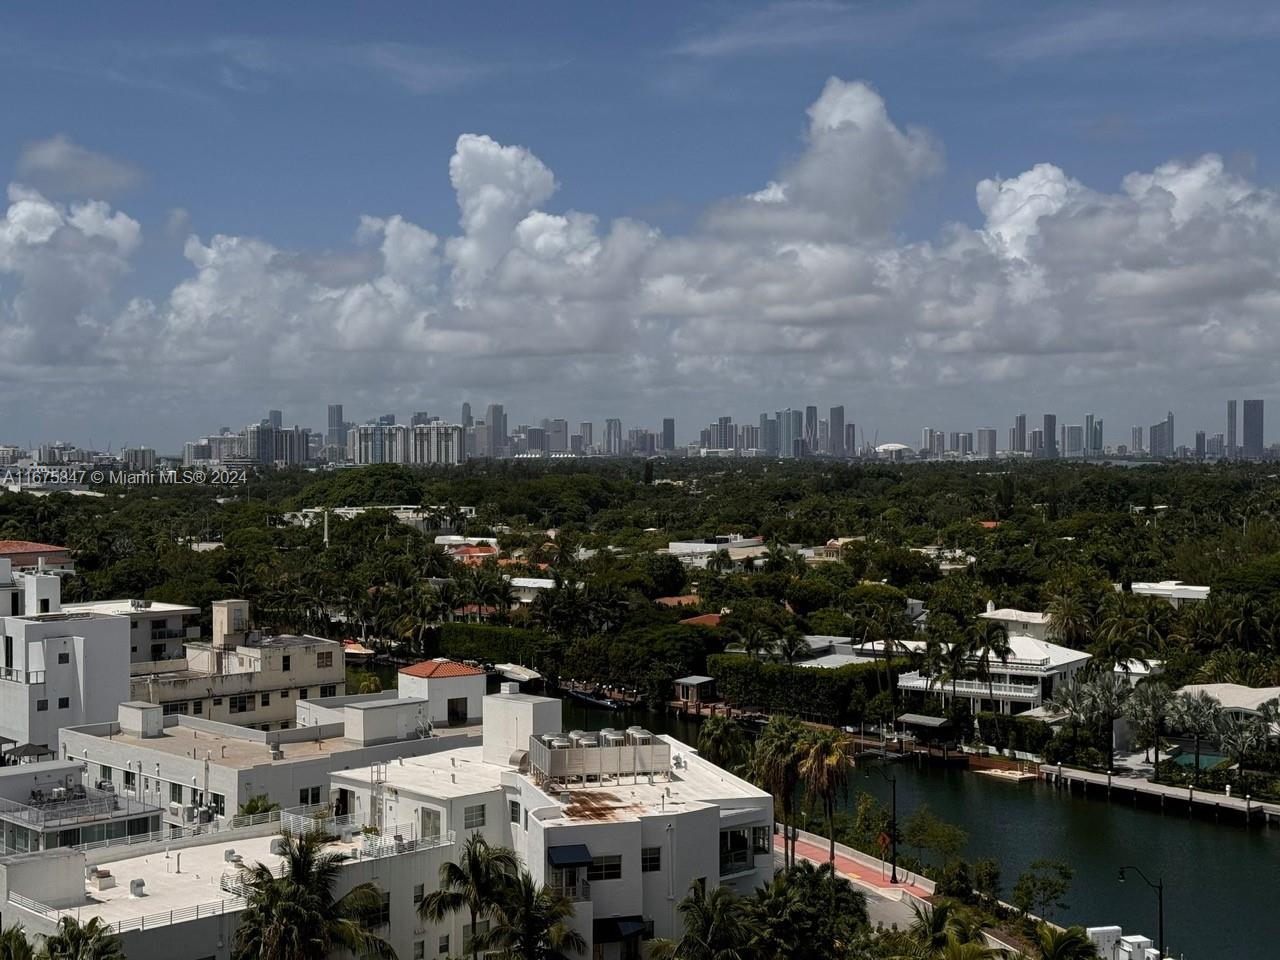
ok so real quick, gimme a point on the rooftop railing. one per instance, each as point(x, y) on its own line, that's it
point(80, 803)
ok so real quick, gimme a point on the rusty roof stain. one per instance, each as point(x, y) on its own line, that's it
point(598, 805)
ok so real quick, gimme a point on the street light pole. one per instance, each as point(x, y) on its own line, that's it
point(893, 822)
point(1158, 887)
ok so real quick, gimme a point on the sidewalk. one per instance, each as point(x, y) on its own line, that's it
point(855, 871)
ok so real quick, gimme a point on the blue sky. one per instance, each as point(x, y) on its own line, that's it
point(287, 124)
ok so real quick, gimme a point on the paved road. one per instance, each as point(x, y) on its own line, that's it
point(884, 900)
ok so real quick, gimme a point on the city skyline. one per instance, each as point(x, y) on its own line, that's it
point(723, 209)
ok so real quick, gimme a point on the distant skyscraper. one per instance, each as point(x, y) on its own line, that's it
point(586, 431)
point(275, 418)
point(496, 418)
point(668, 433)
point(419, 418)
point(1200, 445)
point(791, 433)
point(558, 436)
point(1232, 451)
point(836, 431)
point(613, 437)
point(851, 440)
point(467, 420)
point(1050, 436)
point(1035, 442)
point(1020, 433)
point(1135, 440)
point(986, 442)
point(1160, 441)
point(1251, 430)
point(769, 435)
point(336, 435)
point(811, 428)
point(1075, 440)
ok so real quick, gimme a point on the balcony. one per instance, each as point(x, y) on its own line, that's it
point(16, 675)
point(736, 861)
point(1021, 692)
point(578, 891)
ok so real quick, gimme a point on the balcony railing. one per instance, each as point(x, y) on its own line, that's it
point(576, 891)
point(971, 688)
point(16, 675)
point(736, 861)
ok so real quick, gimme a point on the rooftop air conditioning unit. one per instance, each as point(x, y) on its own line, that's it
point(58, 793)
point(175, 809)
point(137, 887)
point(189, 813)
point(106, 786)
point(278, 846)
point(229, 854)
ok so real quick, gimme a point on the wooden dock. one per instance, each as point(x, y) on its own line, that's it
point(1181, 799)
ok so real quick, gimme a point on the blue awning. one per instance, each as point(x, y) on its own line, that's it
point(569, 855)
point(617, 929)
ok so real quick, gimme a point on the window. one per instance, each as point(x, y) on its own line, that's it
point(470, 933)
point(266, 699)
point(242, 703)
point(760, 839)
point(284, 694)
point(64, 702)
point(473, 817)
point(650, 859)
point(130, 780)
point(175, 793)
point(302, 693)
point(329, 690)
point(64, 658)
point(515, 810)
point(309, 796)
point(605, 868)
point(104, 772)
point(419, 950)
point(217, 701)
point(324, 660)
point(173, 707)
point(218, 804)
point(419, 893)
point(42, 706)
point(383, 915)
point(444, 944)
point(133, 624)
point(197, 707)
point(285, 661)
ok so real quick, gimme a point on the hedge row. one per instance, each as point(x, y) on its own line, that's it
point(489, 644)
point(811, 692)
point(1003, 732)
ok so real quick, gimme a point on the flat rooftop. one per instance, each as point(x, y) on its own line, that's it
point(449, 774)
point(168, 888)
point(240, 754)
point(695, 783)
point(125, 608)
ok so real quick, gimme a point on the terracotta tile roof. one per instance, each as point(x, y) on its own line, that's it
point(441, 668)
point(706, 620)
point(687, 600)
point(989, 524)
point(28, 546)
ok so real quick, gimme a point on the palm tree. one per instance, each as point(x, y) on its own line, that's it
point(295, 916)
point(474, 883)
point(791, 645)
point(531, 922)
point(721, 741)
point(989, 640)
point(714, 928)
point(1055, 943)
point(755, 638)
point(1147, 708)
point(1073, 699)
point(1107, 693)
point(1196, 714)
point(14, 944)
point(826, 763)
point(1239, 736)
point(257, 804)
point(1070, 620)
point(933, 925)
point(775, 767)
point(73, 940)
point(957, 949)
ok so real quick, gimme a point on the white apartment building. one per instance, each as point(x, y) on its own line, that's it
point(622, 822)
point(157, 631)
point(240, 676)
point(526, 589)
point(59, 668)
point(1027, 677)
point(201, 771)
